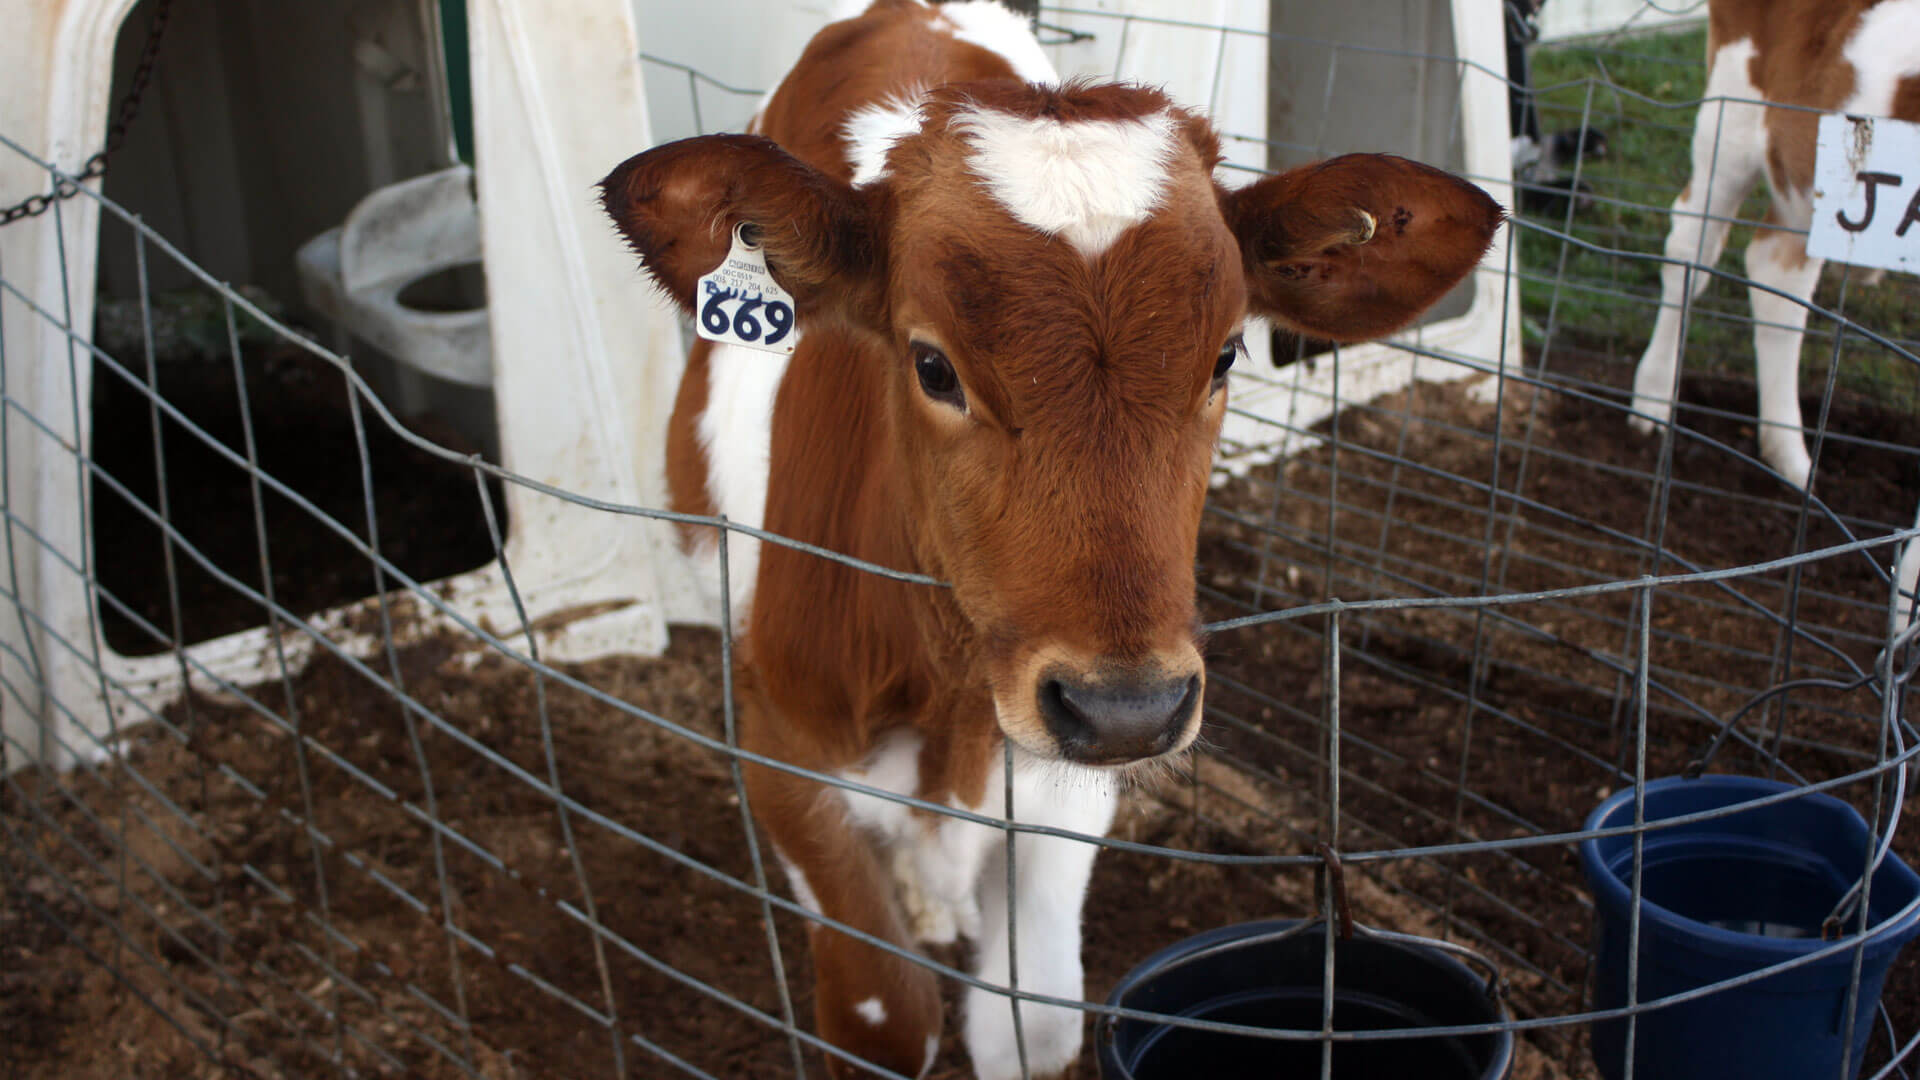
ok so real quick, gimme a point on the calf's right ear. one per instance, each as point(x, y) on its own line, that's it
point(1358, 246)
point(677, 206)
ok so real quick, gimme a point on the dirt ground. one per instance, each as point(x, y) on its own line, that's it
point(219, 924)
point(1553, 732)
point(432, 524)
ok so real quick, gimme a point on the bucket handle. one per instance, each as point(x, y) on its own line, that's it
point(1495, 986)
point(1231, 945)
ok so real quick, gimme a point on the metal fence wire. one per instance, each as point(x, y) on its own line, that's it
point(1445, 623)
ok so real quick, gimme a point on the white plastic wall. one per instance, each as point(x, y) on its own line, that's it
point(1582, 18)
point(1293, 81)
point(585, 362)
point(748, 44)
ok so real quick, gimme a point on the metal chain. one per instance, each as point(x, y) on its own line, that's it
point(67, 187)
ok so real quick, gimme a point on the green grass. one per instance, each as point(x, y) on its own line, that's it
point(1642, 92)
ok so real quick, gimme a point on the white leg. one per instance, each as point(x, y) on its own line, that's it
point(1907, 577)
point(1051, 879)
point(1780, 260)
point(1729, 151)
point(933, 862)
point(937, 874)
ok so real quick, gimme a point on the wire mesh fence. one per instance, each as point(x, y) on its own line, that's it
point(1445, 623)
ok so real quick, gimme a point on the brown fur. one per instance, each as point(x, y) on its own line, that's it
point(1064, 505)
point(1797, 61)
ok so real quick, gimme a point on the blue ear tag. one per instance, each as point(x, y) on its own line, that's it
point(741, 304)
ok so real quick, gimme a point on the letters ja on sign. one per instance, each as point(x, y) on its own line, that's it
point(1866, 193)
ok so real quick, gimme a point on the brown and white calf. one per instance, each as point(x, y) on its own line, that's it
point(1019, 301)
point(1860, 57)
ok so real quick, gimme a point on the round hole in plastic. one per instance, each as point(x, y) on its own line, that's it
point(462, 287)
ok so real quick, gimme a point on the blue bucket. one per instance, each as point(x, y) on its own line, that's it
point(1268, 974)
point(1729, 896)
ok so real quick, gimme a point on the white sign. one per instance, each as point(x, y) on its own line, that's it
point(739, 303)
point(1866, 193)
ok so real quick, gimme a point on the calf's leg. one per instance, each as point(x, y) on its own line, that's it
point(1780, 260)
point(1051, 875)
point(1729, 151)
point(872, 1003)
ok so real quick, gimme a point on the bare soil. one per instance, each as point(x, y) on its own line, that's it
point(431, 521)
point(182, 938)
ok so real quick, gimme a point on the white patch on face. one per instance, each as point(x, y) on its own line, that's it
point(736, 430)
point(1003, 32)
point(933, 1050)
point(872, 1010)
point(1882, 53)
point(1086, 182)
point(871, 133)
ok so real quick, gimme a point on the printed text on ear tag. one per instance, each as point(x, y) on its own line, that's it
point(740, 304)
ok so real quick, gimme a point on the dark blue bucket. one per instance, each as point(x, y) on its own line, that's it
point(1725, 897)
point(1262, 975)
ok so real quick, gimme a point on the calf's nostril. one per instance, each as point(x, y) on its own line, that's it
point(1118, 719)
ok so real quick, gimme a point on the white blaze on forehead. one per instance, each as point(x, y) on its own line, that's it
point(872, 1010)
point(1086, 181)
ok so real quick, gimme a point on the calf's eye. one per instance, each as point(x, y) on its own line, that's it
point(936, 376)
point(1233, 348)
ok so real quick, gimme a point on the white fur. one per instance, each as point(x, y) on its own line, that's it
point(1881, 52)
point(1906, 579)
point(956, 870)
point(933, 885)
point(1780, 261)
point(736, 430)
point(1729, 152)
point(999, 30)
point(872, 1010)
point(893, 766)
point(871, 133)
point(933, 1051)
point(1051, 875)
point(1086, 182)
point(797, 881)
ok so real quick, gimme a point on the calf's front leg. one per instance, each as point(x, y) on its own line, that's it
point(1050, 882)
point(875, 1004)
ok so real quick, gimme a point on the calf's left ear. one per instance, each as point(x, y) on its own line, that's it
point(1355, 247)
point(677, 205)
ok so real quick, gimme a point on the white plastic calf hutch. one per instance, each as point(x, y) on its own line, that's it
point(583, 359)
point(583, 365)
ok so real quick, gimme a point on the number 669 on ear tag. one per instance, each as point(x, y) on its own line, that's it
point(740, 303)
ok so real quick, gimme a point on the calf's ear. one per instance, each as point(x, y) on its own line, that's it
point(677, 205)
point(1355, 247)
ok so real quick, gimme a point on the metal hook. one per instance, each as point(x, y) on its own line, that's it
point(1336, 878)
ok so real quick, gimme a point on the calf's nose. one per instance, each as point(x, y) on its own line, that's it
point(1115, 720)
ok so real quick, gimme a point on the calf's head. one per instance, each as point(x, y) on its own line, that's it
point(1057, 287)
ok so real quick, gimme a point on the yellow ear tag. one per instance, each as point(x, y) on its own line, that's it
point(741, 304)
